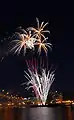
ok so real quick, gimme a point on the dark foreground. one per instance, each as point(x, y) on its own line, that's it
point(37, 113)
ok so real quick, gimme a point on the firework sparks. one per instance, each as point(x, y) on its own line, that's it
point(42, 44)
point(40, 83)
point(31, 38)
point(40, 30)
point(25, 41)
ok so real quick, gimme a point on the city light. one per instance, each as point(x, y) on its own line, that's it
point(13, 101)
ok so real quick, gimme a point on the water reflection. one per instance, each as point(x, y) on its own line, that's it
point(39, 113)
point(69, 113)
point(42, 113)
point(8, 114)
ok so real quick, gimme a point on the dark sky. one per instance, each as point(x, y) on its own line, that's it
point(61, 25)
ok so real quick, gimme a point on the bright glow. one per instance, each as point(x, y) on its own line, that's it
point(2, 90)
point(19, 103)
point(7, 93)
point(25, 98)
point(9, 104)
point(12, 103)
point(23, 103)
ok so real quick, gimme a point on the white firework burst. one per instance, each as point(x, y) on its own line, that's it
point(41, 83)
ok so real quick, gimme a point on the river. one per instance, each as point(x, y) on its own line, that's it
point(39, 113)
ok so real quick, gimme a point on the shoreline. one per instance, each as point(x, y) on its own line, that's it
point(35, 106)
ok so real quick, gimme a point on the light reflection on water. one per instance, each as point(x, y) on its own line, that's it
point(39, 113)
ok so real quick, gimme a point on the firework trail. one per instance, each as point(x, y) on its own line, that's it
point(30, 38)
point(39, 81)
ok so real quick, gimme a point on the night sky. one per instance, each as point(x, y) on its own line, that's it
point(61, 26)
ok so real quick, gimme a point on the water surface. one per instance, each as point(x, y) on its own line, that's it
point(39, 113)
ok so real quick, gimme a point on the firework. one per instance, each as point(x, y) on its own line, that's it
point(39, 81)
point(42, 44)
point(25, 41)
point(39, 32)
point(30, 38)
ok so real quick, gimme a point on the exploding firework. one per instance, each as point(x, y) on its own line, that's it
point(39, 81)
point(25, 41)
point(30, 38)
point(42, 44)
point(39, 32)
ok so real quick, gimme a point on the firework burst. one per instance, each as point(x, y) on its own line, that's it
point(39, 32)
point(39, 81)
point(30, 38)
point(25, 41)
point(42, 44)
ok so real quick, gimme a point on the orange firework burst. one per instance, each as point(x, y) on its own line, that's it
point(39, 32)
point(30, 38)
point(42, 44)
point(25, 41)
